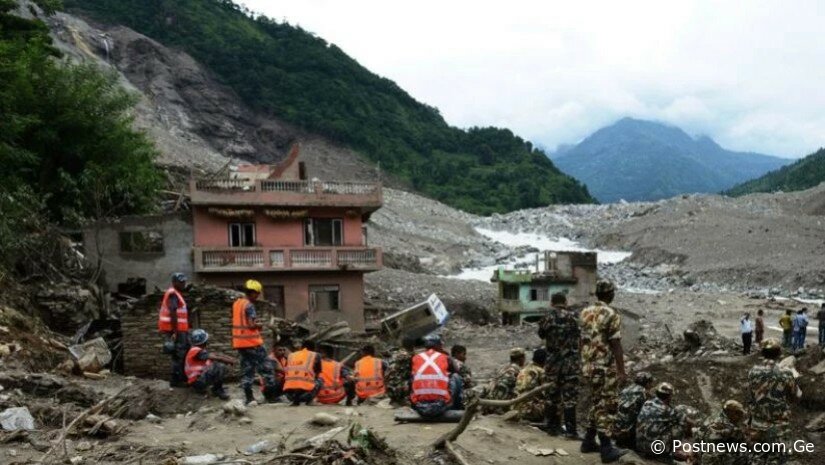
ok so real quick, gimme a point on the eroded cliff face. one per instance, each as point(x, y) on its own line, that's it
point(196, 122)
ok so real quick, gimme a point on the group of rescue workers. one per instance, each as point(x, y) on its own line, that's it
point(585, 344)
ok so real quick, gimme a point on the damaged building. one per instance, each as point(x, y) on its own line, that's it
point(304, 239)
point(524, 294)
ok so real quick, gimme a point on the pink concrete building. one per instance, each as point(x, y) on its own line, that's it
point(304, 240)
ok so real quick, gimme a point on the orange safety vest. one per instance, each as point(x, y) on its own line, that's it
point(243, 334)
point(194, 367)
point(279, 375)
point(333, 390)
point(369, 377)
point(165, 316)
point(300, 371)
point(431, 381)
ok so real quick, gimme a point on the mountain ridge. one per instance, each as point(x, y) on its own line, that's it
point(802, 174)
point(634, 159)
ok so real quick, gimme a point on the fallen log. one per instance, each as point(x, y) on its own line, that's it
point(472, 404)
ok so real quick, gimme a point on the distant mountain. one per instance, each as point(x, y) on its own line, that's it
point(803, 174)
point(645, 160)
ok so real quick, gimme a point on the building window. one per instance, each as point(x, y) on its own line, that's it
point(141, 242)
point(510, 292)
point(242, 234)
point(324, 298)
point(323, 232)
point(539, 294)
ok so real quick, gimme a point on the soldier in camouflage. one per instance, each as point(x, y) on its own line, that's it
point(771, 389)
point(602, 369)
point(459, 354)
point(529, 378)
point(561, 334)
point(503, 385)
point(631, 400)
point(724, 431)
point(399, 374)
point(659, 421)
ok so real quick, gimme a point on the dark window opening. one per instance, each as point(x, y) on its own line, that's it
point(325, 298)
point(539, 294)
point(510, 292)
point(141, 242)
point(242, 234)
point(323, 232)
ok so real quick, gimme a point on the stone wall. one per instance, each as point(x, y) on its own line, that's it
point(210, 309)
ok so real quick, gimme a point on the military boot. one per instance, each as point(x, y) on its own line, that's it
point(589, 443)
point(608, 452)
point(570, 431)
point(247, 391)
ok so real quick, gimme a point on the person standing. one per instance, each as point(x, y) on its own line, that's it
point(820, 315)
point(800, 329)
point(603, 370)
point(786, 323)
point(203, 368)
point(759, 327)
point(561, 334)
point(369, 375)
point(173, 325)
point(770, 391)
point(746, 329)
point(248, 341)
point(303, 375)
point(433, 387)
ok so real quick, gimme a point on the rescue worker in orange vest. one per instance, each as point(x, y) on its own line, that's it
point(173, 324)
point(204, 369)
point(369, 375)
point(303, 375)
point(278, 356)
point(248, 341)
point(336, 378)
point(435, 379)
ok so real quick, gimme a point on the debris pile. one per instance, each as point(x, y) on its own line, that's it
point(700, 339)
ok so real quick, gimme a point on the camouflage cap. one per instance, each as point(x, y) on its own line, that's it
point(605, 287)
point(517, 352)
point(664, 388)
point(732, 406)
point(643, 378)
point(771, 343)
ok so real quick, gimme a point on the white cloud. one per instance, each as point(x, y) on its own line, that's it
point(748, 74)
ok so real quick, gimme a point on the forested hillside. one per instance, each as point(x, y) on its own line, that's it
point(803, 174)
point(292, 74)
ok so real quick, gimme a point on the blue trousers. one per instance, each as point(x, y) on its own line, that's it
point(799, 339)
point(822, 336)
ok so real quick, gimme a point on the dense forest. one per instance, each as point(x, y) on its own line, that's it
point(803, 174)
point(292, 74)
point(67, 146)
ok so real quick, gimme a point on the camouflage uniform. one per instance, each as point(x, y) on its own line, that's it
point(631, 400)
point(398, 377)
point(502, 387)
point(529, 378)
point(659, 421)
point(560, 331)
point(599, 325)
point(719, 429)
point(466, 374)
point(770, 388)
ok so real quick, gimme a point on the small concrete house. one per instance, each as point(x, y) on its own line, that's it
point(524, 294)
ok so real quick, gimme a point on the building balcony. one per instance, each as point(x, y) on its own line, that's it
point(270, 192)
point(250, 259)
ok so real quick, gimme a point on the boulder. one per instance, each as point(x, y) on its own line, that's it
point(17, 418)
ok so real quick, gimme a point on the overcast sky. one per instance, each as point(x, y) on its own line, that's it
point(750, 74)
